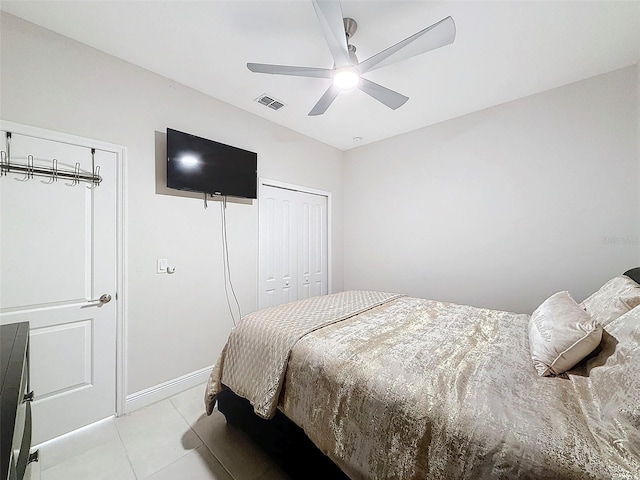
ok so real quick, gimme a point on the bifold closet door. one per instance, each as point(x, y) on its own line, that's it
point(277, 254)
point(293, 245)
point(311, 244)
point(57, 256)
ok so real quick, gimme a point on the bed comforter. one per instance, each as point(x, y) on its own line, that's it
point(420, 389)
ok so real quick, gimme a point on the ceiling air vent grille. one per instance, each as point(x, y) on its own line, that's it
point(270, 102)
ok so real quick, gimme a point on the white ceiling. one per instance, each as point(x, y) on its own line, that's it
point(503, 51)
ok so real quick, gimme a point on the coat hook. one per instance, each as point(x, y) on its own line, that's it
point(76, 176)
point(8, 154)
point(95, 177)
point(29, 169)
point(95, 180)
point(4, 165)
point(28, 174)
point(54, 172)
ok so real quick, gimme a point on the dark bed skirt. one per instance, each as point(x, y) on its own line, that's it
point(280, 438)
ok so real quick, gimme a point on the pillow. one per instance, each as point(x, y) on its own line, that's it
point(614, 387)
point(614, 298)
point(561, 334)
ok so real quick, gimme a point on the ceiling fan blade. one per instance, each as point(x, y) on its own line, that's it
point(324, 102)
point(390, 98)
point(330, 17)
point(290, 70)
point(436, 36)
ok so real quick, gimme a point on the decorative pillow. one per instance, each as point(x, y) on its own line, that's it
point(561, 334)
point(614, 386)
point(614, 298)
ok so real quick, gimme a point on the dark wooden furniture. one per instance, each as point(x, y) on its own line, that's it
point(15, 401)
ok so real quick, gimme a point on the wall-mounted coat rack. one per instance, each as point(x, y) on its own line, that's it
point(53, 173)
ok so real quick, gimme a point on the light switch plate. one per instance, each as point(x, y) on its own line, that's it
point(162, 265)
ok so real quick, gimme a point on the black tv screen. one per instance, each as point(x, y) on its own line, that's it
point(200, 165)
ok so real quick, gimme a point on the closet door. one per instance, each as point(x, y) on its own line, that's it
point(312, 244)
point(293, 253)
point(278, 242)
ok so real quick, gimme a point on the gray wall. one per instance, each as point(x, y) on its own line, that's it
point(505, 206)
point(499, 208)
point(177, 323)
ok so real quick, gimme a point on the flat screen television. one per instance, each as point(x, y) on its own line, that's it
point(200, 165)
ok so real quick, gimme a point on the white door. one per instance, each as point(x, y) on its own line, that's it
point(312, 244)
point(293, 245)
point(58, 254)
point(277, 255)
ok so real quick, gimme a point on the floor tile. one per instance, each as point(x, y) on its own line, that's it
point(236, 452)
point(197, 465)
point(76, 443)
point(190, 404)
point(106, 462)
point(155, 436)
point(172, 439)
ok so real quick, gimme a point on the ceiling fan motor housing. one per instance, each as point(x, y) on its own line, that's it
point(350, 27)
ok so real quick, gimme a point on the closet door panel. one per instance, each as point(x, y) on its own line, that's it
point(312, 245)
point(47, 239)
point(277, 248)
point(304, 246)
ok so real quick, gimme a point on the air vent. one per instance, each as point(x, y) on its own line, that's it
point(270, 102)
point(265, 100)
point(276, 105)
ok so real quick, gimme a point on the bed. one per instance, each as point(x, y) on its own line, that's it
point(376, 385)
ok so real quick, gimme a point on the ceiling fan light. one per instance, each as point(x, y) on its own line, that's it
point(346, 78)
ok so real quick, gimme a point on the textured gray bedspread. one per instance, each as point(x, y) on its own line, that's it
point(254, 359)
point(420, 389)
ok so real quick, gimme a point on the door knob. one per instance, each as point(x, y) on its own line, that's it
point(105, 298)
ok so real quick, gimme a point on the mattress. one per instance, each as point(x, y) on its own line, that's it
point(411, 388)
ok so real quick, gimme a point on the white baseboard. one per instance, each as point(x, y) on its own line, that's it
point(166, 389)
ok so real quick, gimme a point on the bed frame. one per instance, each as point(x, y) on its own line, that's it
point(283, 440)
point(633, 274)
point(280, 438)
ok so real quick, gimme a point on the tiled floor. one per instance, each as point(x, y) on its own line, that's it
point(170, 440)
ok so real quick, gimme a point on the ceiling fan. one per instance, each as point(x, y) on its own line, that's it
point(347, 71)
